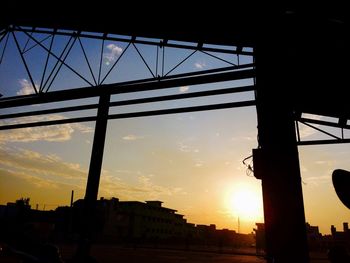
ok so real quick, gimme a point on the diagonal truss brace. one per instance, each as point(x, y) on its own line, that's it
point(334, 139)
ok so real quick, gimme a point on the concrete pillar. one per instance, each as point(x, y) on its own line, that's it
point(286, 239)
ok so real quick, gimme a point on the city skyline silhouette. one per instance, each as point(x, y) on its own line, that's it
point(221, 124)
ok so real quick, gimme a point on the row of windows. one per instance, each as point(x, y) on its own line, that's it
point(161, 231)
point(159, 220)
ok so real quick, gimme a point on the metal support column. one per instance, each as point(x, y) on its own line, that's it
point(279, 171)
point(89, 209)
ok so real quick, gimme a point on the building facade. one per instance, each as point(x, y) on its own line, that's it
point(133, 220)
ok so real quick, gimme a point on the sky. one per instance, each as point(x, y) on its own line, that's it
point(191, 161)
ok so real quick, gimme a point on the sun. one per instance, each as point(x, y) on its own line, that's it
point(246, 204)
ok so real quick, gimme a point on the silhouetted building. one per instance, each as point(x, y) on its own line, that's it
point(314, 237)
point(130, 220)
point(341, 238)
point(20, 224)
point(260, 238)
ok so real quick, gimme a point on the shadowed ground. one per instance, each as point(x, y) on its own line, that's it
point(110, 253)
point(115, 254)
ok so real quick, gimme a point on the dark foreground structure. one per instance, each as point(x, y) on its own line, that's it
point(300, 66)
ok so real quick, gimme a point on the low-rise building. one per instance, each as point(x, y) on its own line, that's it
point(139, 220)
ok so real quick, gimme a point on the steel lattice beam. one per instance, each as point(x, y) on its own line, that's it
point(126, 87)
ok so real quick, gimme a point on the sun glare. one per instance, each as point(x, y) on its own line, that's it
point(245, 204)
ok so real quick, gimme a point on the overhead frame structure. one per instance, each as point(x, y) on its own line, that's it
point(43, 95)
point(291, 78)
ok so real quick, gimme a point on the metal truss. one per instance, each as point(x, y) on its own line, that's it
point(319, 125)
point(160, 78)
point(156, 71)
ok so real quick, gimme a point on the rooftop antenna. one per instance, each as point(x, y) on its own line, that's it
point(239, 225)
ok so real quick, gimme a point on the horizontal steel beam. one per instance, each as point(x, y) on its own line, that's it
point(319, 142)
point(132, 114)
point(126, 87)
point(131, 102)
point(183, 110)
point(160, 43)
point(325, 123)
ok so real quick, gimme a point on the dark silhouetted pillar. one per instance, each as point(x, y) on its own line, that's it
point(94, 177)
point(276, 71)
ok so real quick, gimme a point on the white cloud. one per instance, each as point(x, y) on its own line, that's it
point(113, 53)
point(200, 65)
point(56, 133)
point(26, 87)
point(184, 89)
point(132, 137)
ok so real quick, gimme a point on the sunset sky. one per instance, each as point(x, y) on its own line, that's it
point(192, 161)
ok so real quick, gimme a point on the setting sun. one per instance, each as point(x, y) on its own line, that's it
point(245, 203)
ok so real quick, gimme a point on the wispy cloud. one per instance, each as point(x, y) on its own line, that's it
point(247, 137)
point(154, 190)
point(57, 133)
point(329, 163)
point(188, 145)
point(113, 53)
point(26, 87)
point(32, 162)
point(306, 131)
point(132, 137)
point(184, 147)
point(49, 172)
point(318, 180)
point(200, 65)
point(145, 187)
point(184, 89)
point(32, 180)
point(198, 163)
